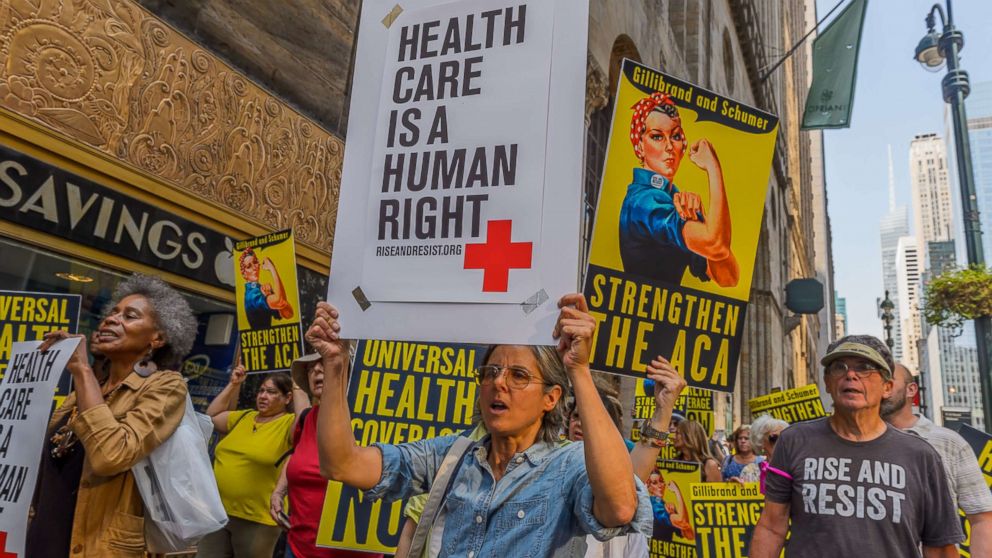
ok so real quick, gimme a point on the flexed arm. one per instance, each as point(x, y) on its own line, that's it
point(277, 299)
point(711, 238)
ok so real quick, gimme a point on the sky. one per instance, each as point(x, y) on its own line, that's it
point(895, 99)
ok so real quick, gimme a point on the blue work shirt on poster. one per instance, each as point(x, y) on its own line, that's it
point(257, 309)
point(651, 240)
point(542, 507)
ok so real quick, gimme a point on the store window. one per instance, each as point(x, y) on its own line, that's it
point(26, 268)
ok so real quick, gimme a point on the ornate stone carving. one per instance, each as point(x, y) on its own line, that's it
point(112, 76)
point(597, 91)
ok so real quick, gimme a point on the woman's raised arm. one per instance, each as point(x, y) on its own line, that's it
point(340, 458)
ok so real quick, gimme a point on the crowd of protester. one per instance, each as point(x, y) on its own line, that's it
point(546, 465)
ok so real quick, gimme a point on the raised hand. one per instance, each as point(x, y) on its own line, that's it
point(668, 384)
point(574, 331)
point(79, 362)
point(704, 156)
point(324, 335)
point(238, 375)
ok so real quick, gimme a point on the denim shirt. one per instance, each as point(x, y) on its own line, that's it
point(542, 507)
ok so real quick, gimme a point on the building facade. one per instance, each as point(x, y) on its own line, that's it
point(979, 110)
point(933, 216)
point(894, 225)
point(231, 117)
point(908, 269)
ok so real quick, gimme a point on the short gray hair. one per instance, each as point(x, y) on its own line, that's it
point(553, 370)
point(173, 316)
point(760, 429)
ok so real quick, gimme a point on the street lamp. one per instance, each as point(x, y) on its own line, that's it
point(932, 51)
point(887, 316)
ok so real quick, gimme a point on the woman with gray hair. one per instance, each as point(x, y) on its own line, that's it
point(765, 431)
point(520, 487)
point(122, 407)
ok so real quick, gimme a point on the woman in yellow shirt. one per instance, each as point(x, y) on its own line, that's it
point(247, 462)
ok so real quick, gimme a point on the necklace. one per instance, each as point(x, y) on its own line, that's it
point(255, 422)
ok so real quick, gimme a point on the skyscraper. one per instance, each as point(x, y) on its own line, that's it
point(894, 225)
point(949, 362)
point(931, 189)
point(979, 108)
point(908, 286)
point(840, 313)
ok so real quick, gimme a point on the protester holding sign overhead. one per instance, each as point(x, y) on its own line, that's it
point(247, 463)
point(519, 487)
point(851, 484)
point(122, 407)
point(300, 479)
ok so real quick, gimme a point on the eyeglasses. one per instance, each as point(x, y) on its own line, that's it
point(517, 377)
point(862, 369)
point(772, 438)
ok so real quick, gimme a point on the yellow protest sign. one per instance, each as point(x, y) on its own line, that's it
point(677, 226)
point(27, 316)
point(268, 302)
point(981, 444)
point(399, 392)
point(725, 515)
point(669, 487)
point(791, 405)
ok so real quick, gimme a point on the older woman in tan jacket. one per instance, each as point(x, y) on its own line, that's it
point(123, 406)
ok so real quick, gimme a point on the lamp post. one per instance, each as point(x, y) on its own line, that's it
point(932, 51)
point(887, 316)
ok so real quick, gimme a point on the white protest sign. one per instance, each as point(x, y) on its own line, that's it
point(26, 392)
point(460, 196)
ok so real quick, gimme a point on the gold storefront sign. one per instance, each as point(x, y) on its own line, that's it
point(111, 76)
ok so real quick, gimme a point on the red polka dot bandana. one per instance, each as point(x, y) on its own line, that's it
point(248, 253)
point(642, 109)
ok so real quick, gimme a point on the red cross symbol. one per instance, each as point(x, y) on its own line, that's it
point(498, 256)
point(3, 546)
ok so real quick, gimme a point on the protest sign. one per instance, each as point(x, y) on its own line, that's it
point(666, 276)
point(725, 515)
point(26, 392)
point(791, 405)
point(268, 302)
point(399, 392)
point(28, 316)
point(981, 444)
point(460, 184)
point(694, 404)
point(669, 489)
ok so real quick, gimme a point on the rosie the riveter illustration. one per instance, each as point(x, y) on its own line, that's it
point(664, 231)
point(263, 302)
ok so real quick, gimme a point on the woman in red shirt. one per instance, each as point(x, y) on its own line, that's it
point(301, 479)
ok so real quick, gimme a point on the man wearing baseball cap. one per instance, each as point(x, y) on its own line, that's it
point(852, 483)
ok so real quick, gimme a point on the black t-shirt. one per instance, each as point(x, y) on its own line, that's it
point(877, 498)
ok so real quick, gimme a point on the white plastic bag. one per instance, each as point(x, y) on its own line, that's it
point(177, 485)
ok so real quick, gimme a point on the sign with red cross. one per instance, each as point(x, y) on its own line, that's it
point(498, 256)
point(460, 193)
point(26, 392)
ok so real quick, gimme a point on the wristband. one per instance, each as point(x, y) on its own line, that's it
point(651, 436)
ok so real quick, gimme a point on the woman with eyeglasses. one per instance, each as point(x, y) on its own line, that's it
point(520, 487)
point(248, 460)
point(765, 431)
